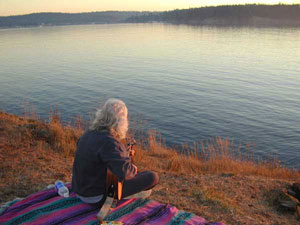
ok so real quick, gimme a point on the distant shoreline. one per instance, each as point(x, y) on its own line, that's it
point(234, 15)
point(208, 23)
point(63, 19)
point(58, 25)
point(254, 22)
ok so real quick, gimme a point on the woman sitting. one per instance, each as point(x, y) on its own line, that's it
point(99, 149)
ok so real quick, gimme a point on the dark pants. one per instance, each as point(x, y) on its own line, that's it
point(141, 182)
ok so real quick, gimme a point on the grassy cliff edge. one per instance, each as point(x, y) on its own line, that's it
point(221, 187)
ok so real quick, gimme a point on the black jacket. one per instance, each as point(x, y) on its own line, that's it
point(97, 151)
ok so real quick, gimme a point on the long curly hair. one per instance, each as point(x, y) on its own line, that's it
point(112, 117)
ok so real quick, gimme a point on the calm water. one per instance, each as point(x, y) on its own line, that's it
point(189, 83)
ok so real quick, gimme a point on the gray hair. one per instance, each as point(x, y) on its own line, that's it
point(112, 117)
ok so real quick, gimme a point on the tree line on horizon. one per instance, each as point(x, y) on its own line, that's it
point(232, 14)
point(240, 13)
point(48, 19)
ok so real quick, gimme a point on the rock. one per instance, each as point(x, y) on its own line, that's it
point(296, 189)
point(288, 201)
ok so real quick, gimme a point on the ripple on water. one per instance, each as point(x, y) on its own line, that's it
point(190, 83)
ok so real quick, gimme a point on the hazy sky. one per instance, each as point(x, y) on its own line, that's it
point(16, 7)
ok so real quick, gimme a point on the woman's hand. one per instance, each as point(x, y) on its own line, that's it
point(131, 153)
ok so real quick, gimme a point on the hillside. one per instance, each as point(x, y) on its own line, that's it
point(227, 15)
point(51, 19)
point(250, 14)
point(34, 154)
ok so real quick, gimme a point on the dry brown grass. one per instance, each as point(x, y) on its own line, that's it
point(33, 154)
point(212, 179)
point(215, 156)
point(219, 156)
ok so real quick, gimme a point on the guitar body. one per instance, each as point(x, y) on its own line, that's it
point(113, 185)
point(112, 182)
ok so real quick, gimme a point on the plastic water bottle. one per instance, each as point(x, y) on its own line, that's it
point(62, 190)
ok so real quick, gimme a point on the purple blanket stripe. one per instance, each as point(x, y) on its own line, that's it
point(60, 215)
point(29, 206)
point(46, 207)
point(141, 212)
point(84, 218)
point(33, 199)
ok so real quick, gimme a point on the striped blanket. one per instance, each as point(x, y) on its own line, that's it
point(46, 207)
